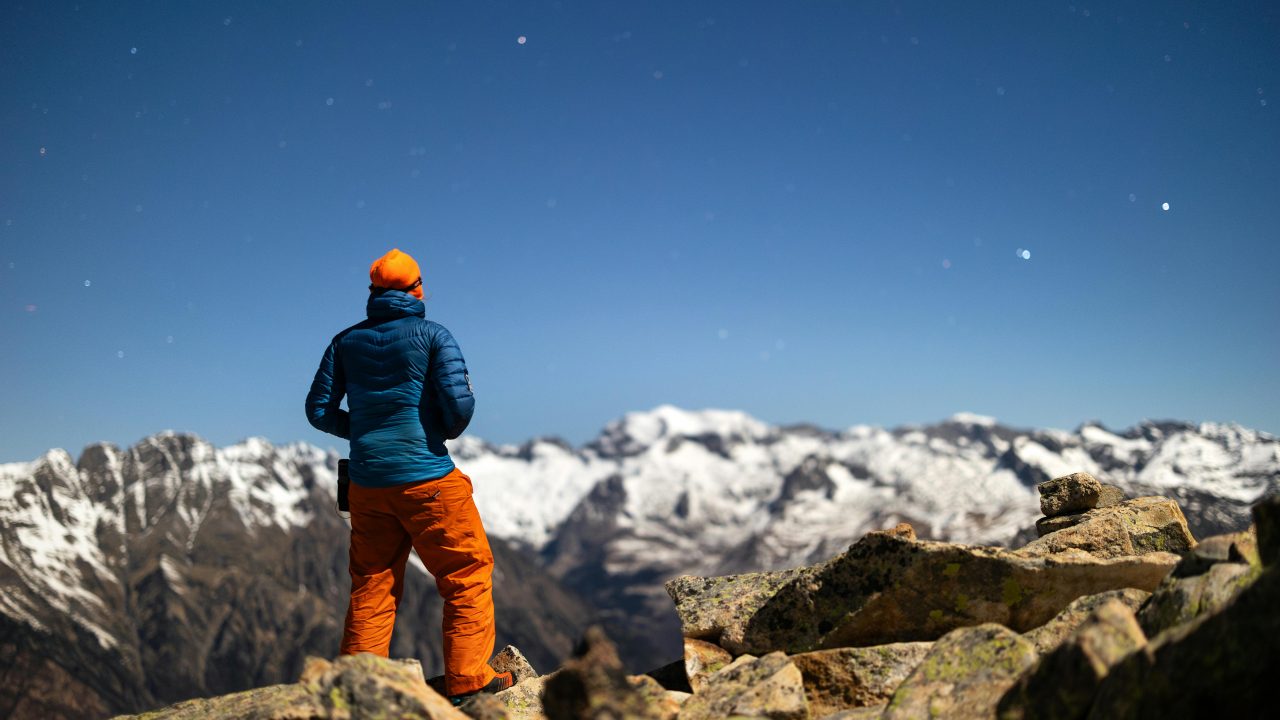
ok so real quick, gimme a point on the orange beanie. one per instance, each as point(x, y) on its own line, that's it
point(397, 271)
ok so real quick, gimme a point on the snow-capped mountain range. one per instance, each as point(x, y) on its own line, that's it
point(159, 558)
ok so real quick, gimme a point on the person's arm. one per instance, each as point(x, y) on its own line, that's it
point(324, 402)
point(451, 383)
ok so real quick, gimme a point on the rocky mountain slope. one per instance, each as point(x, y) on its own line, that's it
point(170, 570)
point(180, 568)
point(1115, 612)
point(670, 492)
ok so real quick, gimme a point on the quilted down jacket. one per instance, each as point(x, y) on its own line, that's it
point(407, 390)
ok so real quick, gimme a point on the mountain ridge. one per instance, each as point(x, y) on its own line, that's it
point(111, 558)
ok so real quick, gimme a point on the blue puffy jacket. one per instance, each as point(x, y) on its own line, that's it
point(407, 389)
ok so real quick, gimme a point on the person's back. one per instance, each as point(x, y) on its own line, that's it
point(407, 388)
point(408, 391)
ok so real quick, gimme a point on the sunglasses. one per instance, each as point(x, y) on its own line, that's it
point(411, 288)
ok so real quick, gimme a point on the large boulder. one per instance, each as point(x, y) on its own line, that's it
point(1222, 664)
point(593, 685)
point(1062, 684)
point(1266, 518)
point(764, 687)
point(888, 589)
point(1237, 547)
point(846, 678)
point(1053, 633)
point(1151, 524)
point(1182, 599)
point(964, 675)
point(1072, 493)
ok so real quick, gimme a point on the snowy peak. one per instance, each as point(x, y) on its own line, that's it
point(638, 431)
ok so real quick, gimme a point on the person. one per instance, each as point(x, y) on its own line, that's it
point(408, 391)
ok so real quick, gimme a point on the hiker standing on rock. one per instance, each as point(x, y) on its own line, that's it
point(408, 391)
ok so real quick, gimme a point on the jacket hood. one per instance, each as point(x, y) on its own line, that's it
point(393, 304)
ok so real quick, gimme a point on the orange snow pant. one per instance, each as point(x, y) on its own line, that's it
point(438, 519)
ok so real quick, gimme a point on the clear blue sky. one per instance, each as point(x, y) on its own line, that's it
point(811, 211)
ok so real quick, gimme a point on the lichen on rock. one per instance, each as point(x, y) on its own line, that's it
point(844, 678)
point(1062, 684)
point(964, 675)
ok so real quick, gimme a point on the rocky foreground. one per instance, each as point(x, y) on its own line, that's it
point(1115, 611)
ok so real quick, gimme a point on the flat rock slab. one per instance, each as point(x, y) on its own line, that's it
point(848, 678)
point(1049, 636)
point(1141, 525)
point(963, 676)
point(1069, 494)
point(709, 605)
point(764, 687)
point(1062, 684)
point(886, 589)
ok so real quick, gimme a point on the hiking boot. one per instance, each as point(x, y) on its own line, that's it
point(501, 681)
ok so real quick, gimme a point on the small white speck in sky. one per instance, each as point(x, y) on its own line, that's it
point(1165, 207)
point(1024, 254)
point(120, 354)
point(522, 40)
point(44, 151)
point(87, 283)
point(133, 51)
point(328, 101)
